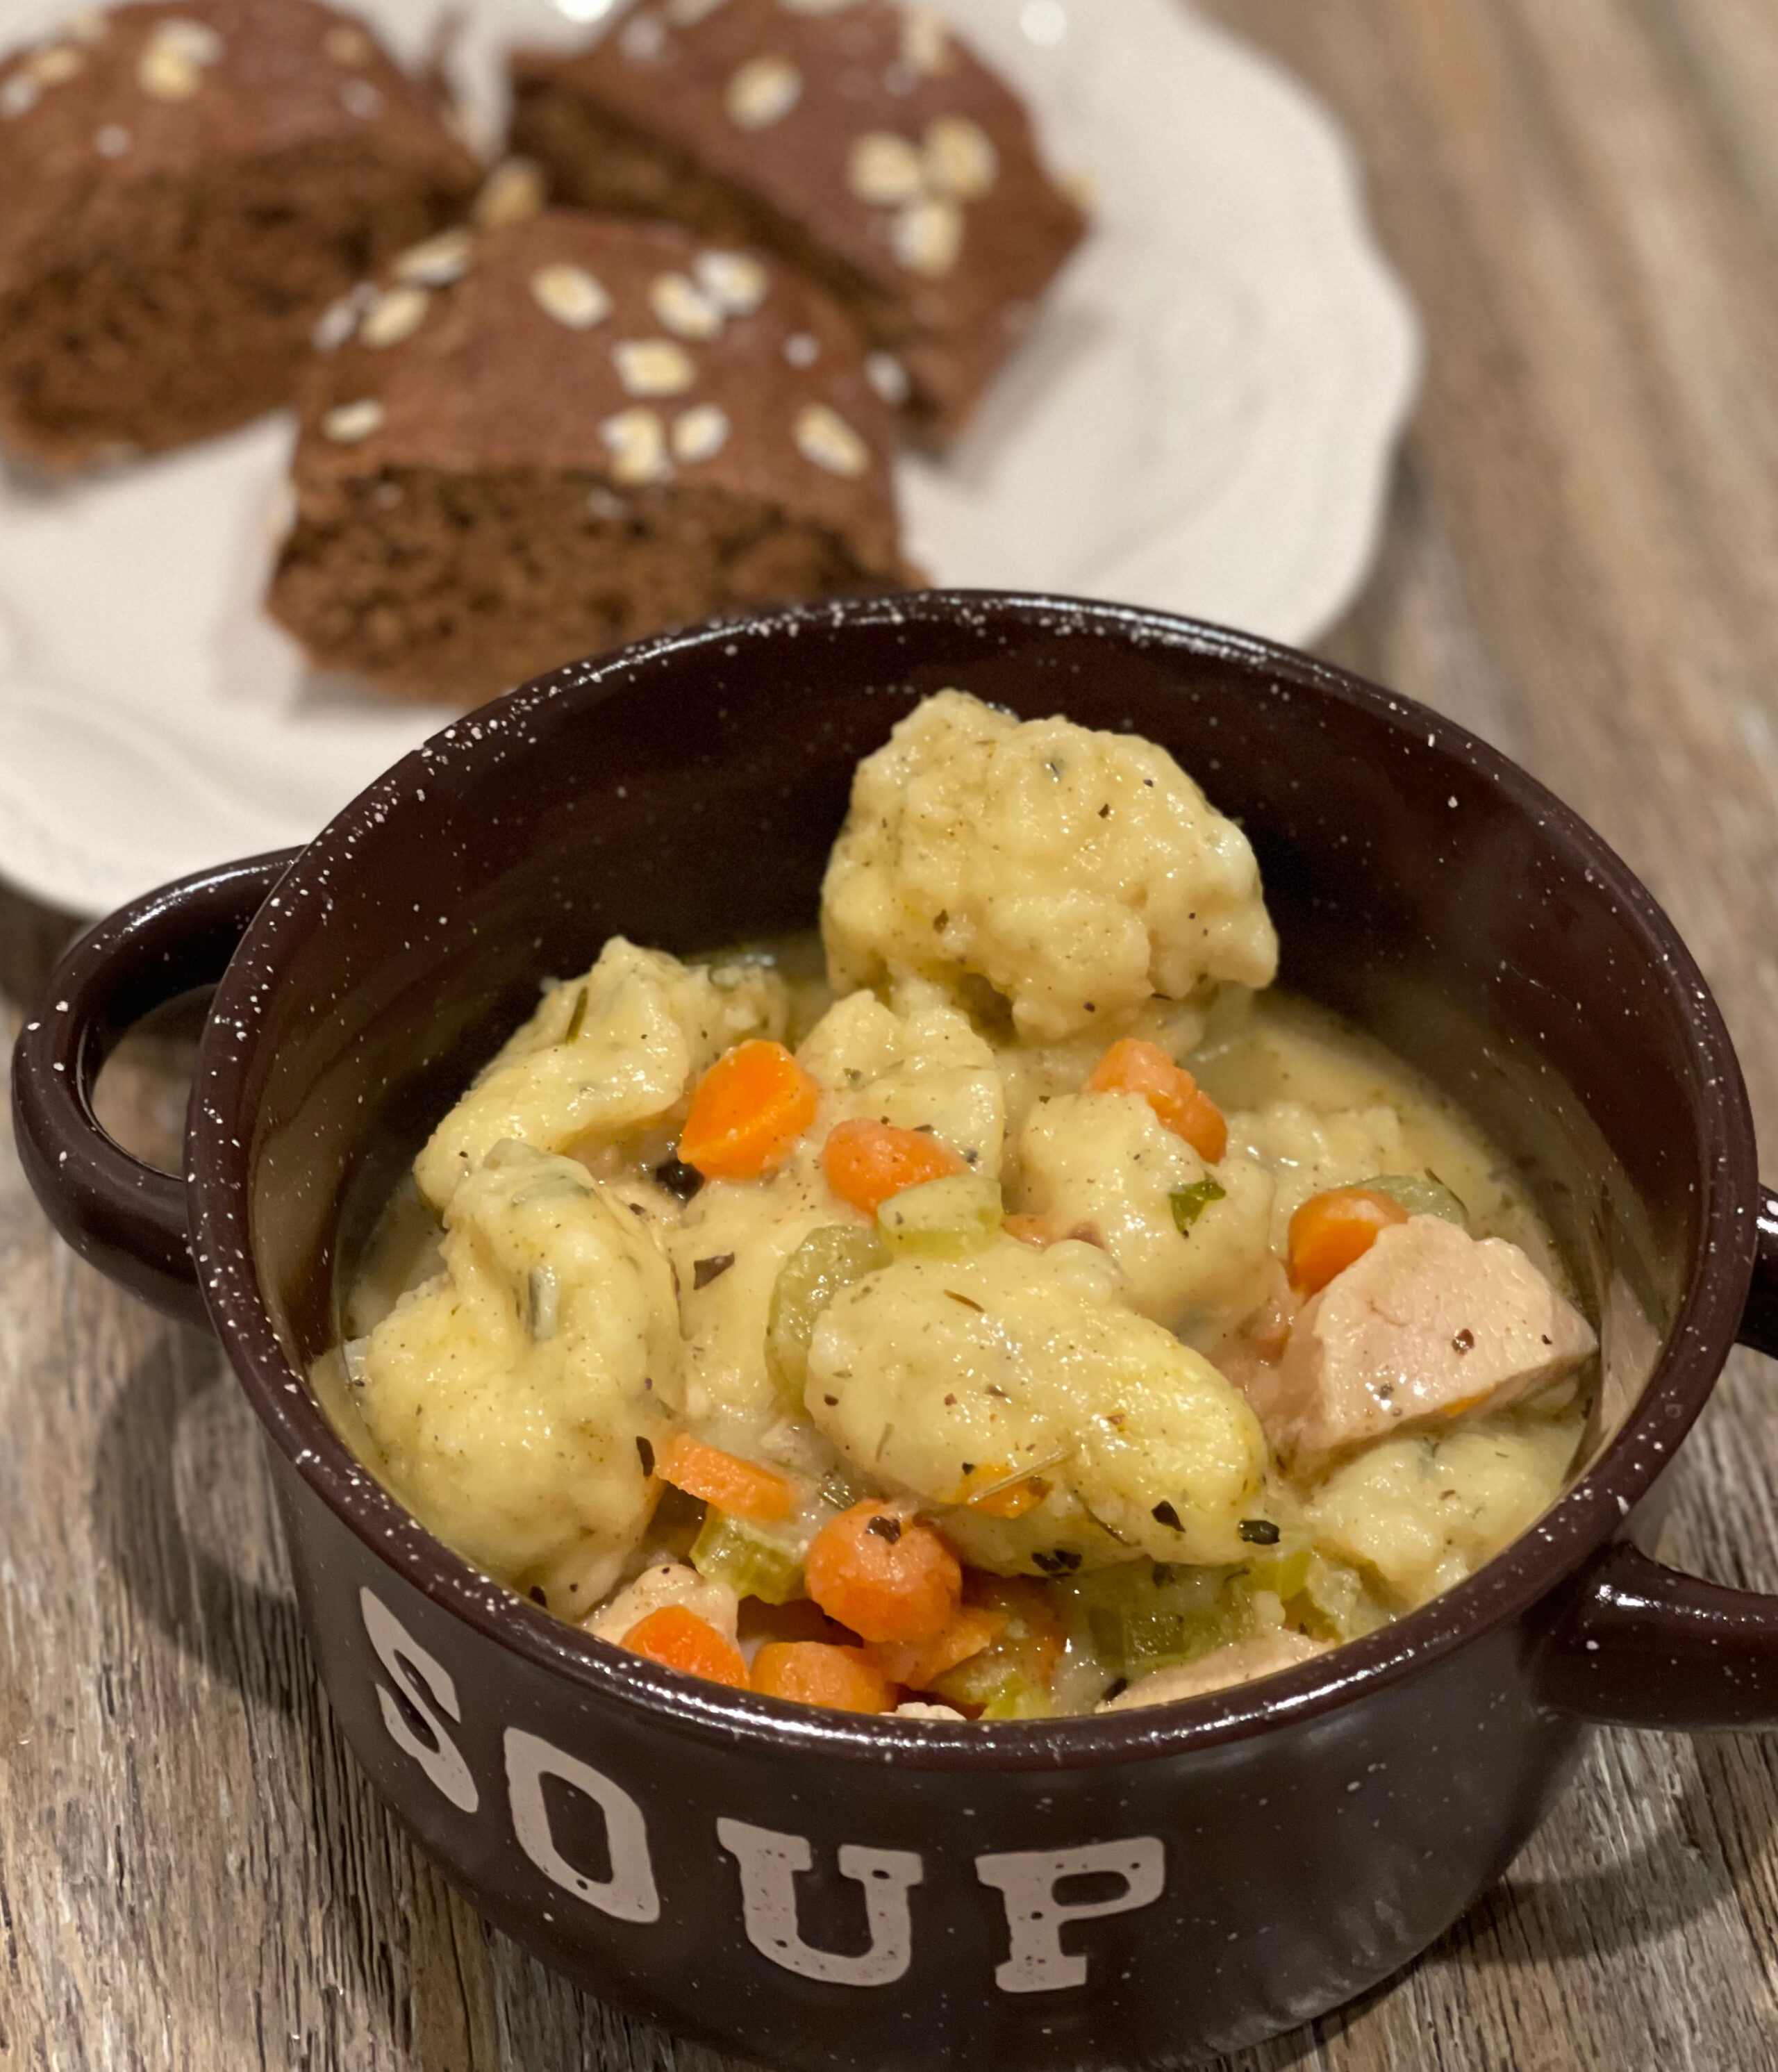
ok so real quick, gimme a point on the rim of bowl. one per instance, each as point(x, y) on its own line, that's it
point(1581, 1520)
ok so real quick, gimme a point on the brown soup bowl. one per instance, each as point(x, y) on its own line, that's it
point(811, 1889)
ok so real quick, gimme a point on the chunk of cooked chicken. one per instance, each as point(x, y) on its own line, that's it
point(952, 1379)
point(1241, 1662)
point(1428, 1324)
point(1078, 873)
point(508, 1395)
point(606, 1054)
point(1105, 1162)
point(918, 1063)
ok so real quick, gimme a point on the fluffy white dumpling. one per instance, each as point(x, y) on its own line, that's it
point(611, 1052)
point(947, 1379)
point(919, 1064)
point(1307, 1150)
point(1078, 873)
point(507, 1396)
point(1105, 1163)
point(1422, 1515)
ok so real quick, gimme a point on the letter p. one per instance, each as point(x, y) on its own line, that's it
point(1035, 1917)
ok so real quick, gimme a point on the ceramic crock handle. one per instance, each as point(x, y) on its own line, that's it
point(1643, 1645)
point(126, 1218)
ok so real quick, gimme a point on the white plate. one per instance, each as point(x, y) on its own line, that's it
point(1203, 421)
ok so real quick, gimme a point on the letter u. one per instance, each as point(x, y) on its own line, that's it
point(770, 1863)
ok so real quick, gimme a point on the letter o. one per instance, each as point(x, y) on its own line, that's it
point(629, 1894)
point(425, 1683)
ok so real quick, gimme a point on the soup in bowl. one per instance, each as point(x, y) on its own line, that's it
point(1003, 1306)
point(1057, 1875)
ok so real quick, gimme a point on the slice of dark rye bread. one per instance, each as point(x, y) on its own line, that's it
point(863, 142)
point(568, 433)
point(183, 189)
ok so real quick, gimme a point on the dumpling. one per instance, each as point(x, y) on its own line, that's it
point(517, 1398)
point(948, 1379)
point(1077, 873)
point(608, 1053)
point(1105, 1163)
point(919, 1064)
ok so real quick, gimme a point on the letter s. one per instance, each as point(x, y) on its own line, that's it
point(1027, 1878)
point(425, 1683)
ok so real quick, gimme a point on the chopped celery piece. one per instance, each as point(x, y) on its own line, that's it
point(556, 1183)
point(752, 1564)
point(1335, 1604)
point(1190, 1203)
point(825, 1261)
point(543, 1299)
point(1011, 1678)
point(994, 1681)
point(944, 1219)
point(1284, 1569)
point(1421, 1195)
point(1146, 1615)
point(1018, 1699)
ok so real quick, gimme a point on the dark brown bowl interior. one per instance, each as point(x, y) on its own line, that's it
point(686, 794)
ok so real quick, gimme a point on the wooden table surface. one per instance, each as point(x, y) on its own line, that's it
point(1582, 563)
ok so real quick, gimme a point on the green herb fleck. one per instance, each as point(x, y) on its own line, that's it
point(1190, 1203)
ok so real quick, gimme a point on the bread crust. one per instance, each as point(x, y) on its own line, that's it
point(581, 405)
point(864, 142)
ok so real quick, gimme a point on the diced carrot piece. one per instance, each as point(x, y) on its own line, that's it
point(1014, 1501)
point(808, 1673)
point(1131, 1066)
point(1029, 1229)
point(1464, 1405)
point(981, 1476)
point(918, 1665)
point(748, 1112)
point(886, 1577)
point(868, 1162)
point(740, 1488)
point(1330, 1231)
point(995, 1489)
point(678, 1639)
